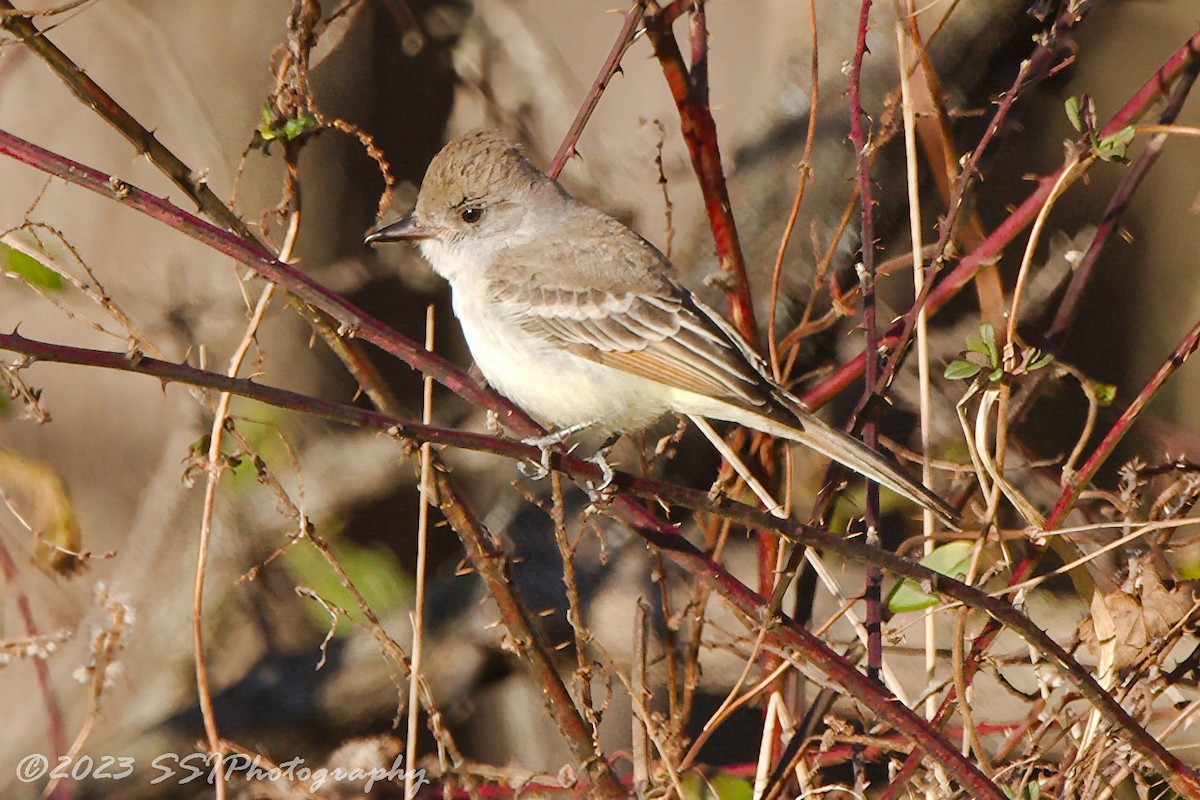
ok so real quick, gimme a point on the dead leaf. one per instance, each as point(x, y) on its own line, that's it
point(35, 494)
point(1125, 623)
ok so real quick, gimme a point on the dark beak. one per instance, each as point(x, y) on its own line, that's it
point(409, 228)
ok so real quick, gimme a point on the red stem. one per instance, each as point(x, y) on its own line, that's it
point(872, 593)
point(1081, 478)
point(1004, 234)
point(674, 546)
point(609, 68)
point(355, 323)
point(56, 733)
point(700, 134)
point(1111, 218)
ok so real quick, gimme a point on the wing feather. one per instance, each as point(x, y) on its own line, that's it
point(661, 334)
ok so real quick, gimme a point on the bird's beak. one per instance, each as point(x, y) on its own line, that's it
point(409, 228)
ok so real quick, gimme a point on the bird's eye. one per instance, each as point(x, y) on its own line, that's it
point(471, 215)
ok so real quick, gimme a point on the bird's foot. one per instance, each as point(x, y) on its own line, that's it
point(604, 492)
point(536, 471)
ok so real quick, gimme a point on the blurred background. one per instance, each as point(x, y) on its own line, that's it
point(116, 460)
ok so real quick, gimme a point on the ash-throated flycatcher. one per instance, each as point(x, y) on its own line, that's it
point(582, 323)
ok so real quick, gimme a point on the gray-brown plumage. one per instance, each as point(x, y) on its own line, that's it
point(578, 320)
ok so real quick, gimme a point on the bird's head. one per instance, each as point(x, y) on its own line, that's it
point(475, 200)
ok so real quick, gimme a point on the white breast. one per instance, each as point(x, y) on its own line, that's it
point(554, 386)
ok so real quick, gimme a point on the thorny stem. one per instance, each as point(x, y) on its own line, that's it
point(490, 561)
point(1111, 219)
point(190, 181)
point(353, 322)
point(144, 142)
point(700, 134)
point(929, 298)
point(866, 274)
point(1181, 61)
point(93, 96)
point(678, 549)
point(1003, 234)
point(1076, 482)
point(154, 207)
point(610, 67)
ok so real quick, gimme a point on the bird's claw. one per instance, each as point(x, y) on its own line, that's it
point(536, 470)
point(604, 491)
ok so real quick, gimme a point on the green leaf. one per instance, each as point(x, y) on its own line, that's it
point(299, 124)
point(1074, 113)
point(988, 333)
point(985, 345)
point(1041, 360)
point(376, 570)
point(1121, 137)
point(266, 128)
point(1114, 146)
point(1106, 393)
point(30, 270)
point(951, 559)
point(720, 786)
point(961, 369)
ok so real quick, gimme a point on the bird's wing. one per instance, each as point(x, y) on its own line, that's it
point(659, 332)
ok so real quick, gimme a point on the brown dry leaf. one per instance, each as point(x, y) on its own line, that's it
point(35, 494)
point(1128, 621)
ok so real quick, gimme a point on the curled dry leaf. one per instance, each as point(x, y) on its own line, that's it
point(33, 492)
point(1141, 612)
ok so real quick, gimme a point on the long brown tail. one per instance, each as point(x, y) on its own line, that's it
point(812, 432)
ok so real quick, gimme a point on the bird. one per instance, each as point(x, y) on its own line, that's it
point(582, 323)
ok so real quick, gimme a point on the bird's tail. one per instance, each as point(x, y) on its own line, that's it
point(843, 448)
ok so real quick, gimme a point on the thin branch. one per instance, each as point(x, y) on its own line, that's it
point(1186, 347)
point(418, 613)
point(678, 549)
point(353, 322)
point(700, 134)
point(1151, 90)
point(489, 560)
point(144, 142)
point(610, 67)
point(805, 170)
point(71, 5)
point(860, 139)
point(1111, 219)
point(214, 467)
point(191, 182)
point(1003, 235)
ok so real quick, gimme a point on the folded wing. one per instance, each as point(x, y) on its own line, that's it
point(661, 335)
